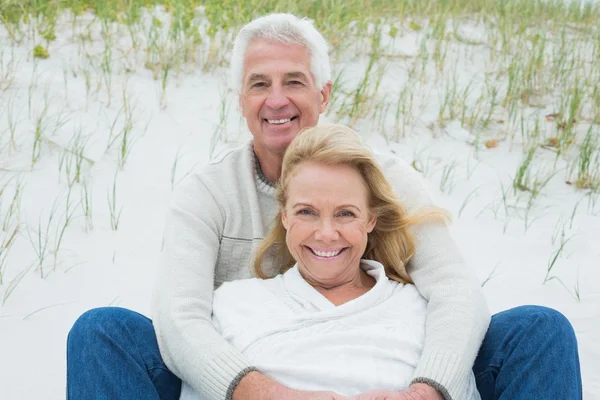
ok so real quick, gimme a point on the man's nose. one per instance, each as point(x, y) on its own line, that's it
point(327, 231)
point(277, 98)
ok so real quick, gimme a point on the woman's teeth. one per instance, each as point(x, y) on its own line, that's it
point(326, 253)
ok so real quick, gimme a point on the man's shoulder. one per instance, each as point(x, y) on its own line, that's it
point(388, 160)
point(218, 180)
point(408, 183)
point(227, 162)
point(396, 168)
point(229, 170)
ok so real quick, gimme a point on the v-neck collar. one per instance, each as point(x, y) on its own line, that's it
point(314, 301)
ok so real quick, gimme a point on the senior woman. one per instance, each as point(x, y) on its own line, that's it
point(339, 313)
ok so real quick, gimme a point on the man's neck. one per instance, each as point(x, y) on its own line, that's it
point(270, 165)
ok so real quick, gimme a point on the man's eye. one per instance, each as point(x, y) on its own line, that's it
point(294, 83)
point(258, 84)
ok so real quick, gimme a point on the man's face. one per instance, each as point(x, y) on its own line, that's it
point(279, 95)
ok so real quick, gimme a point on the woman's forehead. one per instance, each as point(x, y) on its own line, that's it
point(321, 181)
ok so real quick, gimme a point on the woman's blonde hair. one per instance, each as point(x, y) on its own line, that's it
point(390, 243)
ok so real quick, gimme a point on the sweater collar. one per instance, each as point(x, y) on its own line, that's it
point(262, 183)
point(299, 288)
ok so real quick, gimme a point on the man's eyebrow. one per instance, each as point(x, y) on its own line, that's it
point(257, 77)
point(298, 75)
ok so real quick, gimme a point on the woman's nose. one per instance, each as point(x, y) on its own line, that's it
point(327, 231)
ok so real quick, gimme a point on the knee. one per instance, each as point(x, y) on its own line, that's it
point(94, 322)
point(544, 320)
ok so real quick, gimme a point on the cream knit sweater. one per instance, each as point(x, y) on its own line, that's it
point(217, 217)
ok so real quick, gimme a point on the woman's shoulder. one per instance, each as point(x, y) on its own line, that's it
point(396, 291)
point(241, 288)
point(246, 295)
point(243, 307)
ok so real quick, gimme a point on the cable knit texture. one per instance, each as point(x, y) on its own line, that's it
point(217, 217)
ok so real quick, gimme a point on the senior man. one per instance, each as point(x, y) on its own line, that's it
point(281, 71)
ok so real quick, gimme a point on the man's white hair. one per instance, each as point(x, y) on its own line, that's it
point(287, 29)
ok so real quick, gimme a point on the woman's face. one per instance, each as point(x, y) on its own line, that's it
point(327, 219)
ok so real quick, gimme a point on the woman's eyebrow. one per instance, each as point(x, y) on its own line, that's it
point(302, 205)
point(349, 206)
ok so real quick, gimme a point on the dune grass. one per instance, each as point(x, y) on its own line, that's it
point(532, 82)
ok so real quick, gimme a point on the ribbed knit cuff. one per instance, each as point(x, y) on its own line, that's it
point(434, 385)
point(236, 381)
point(445, 372)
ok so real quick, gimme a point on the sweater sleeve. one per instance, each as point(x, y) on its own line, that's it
point(182, 300)
point(457, 314)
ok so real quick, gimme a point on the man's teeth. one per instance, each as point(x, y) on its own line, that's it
point(279, 121)
point(327, 253)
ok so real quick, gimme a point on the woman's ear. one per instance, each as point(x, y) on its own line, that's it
point(371, 224)
point(284, 219)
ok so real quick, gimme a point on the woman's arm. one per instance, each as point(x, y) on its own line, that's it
point(457, 314)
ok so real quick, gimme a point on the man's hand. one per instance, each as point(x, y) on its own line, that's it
point(426, 391)
point(256, 386)
point(417, 391)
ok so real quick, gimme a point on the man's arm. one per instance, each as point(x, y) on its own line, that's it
point(457, 314)
point(190, 345)
point(182, 301)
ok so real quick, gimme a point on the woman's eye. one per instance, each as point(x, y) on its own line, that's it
point(346, 214)
point(304, 212)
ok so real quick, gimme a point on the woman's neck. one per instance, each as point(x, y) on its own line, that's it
point(348, 291)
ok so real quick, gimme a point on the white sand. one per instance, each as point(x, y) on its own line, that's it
point(100, 267)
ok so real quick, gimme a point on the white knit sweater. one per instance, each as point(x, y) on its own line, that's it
point(217, 217)
point(293, 334)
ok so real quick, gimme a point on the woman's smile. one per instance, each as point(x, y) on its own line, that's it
point(327, 221)
point(326, 255)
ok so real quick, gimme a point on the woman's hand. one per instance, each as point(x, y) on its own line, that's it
point(387, 395)
point(307, 395)
point(256, 386)
point(304, 395)
point(417, 391)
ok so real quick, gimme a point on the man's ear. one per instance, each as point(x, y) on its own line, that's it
point(284, 220)
point(241, 104)
point(325, 96)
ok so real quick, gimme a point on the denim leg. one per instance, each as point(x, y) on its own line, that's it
point(112, 354)
point(529, 352)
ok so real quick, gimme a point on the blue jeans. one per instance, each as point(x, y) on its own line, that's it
point(529, 352)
